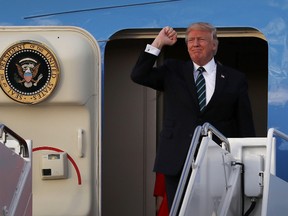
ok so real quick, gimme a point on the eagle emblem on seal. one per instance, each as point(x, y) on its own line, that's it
point(27, 69)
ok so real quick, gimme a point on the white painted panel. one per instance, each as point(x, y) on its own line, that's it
point(54, 124)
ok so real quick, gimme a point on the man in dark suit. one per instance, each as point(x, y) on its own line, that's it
point(226, 102)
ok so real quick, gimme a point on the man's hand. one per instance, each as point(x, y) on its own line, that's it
point(167, 36)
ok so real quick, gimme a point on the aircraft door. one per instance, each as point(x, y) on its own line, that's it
point(50, 94)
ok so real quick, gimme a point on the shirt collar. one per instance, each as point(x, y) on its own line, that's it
point(209, 67)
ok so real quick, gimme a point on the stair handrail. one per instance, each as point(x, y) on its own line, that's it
point(205, 130)
point(186, 169)
point(4, 130)
point(270, 139)
point(208, 129)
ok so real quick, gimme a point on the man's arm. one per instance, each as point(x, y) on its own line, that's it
point(143, 72)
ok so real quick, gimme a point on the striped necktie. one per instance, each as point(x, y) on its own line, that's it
point(201, 88)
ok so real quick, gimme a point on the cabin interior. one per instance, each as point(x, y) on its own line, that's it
point(132, 114)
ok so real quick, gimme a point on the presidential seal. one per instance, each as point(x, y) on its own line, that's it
point(29, 72)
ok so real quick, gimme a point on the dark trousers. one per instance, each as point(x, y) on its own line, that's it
point(171, 183)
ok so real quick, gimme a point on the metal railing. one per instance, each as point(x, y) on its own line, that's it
point(5, 131)
point(200, 131)
point(270, 141)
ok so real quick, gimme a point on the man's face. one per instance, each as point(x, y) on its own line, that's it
point(201, 46)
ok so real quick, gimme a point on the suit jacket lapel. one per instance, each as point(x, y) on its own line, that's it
point(190, 82)
point(221, 77)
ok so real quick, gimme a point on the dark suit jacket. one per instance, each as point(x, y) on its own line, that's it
point(228, 110)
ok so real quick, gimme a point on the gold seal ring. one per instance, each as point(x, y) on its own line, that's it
point(29, 72)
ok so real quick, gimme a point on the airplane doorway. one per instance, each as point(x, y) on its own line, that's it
point(132, 114)
point(246, 50)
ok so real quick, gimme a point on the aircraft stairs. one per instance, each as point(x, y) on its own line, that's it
point(15, 174)
point(235, 177)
